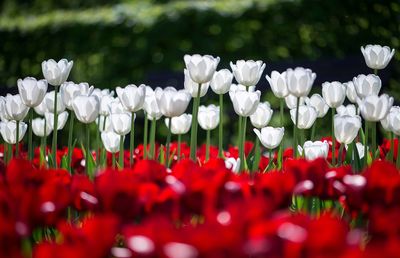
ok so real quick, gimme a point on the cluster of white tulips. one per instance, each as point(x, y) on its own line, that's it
point(115, 115)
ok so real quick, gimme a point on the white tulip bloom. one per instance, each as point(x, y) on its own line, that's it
point(132, 96)
point(221, 81)
point(172, 102)
point(270, 137)
point(374, 108)
point(377, 56)
point(32, 91)
point(121, 122)
point(86, 108)
point(150, 105)
point(291, 101)
point(278, 84)
point(318, 102)
point(3, 112)
point(70, 90)
point(56, 73)
point(307, 116)
point(208, 117)
point(386, 121)
point(261, 117)
point(39, 129)
point(334, 93)
point(244, 102)
point(110, 141)
point(366, 85)
point(193, 87)
point(346, 128)
point(300, 81)
point(105, 105)
point(15, 108)
point(233, 164)
point(349, 110)
point(201, 68)
point(8, 131)
point(49, 100)
point(180, 124)
point(249, 72)
point(61, 119)
point(41, 109)
point(314, 150)
point(351, 91)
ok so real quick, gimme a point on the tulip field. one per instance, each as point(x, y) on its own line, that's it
point(271, 192)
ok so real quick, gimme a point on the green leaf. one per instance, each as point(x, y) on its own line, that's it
point(64, 162)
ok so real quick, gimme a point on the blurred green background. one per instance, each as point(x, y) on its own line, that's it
point(116, 42)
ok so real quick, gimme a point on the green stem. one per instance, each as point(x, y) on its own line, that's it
point(168, 141)
point(333, 137)
point(373, 135)
point(280, 151)
point(313, 130)
point(208, 145)
point(366, 145)
point(54, 144)
point(103, 155)
point(340, 154)
point(257, 154)
point(270, 160)
point(179, 146)
point(10, 152)
point(70, 135)
point(152, 138)
point(6, 152)
point(146, 125)
point(281, 108)
point(98, 142)
point(240, 142)
point(193, 131)
point(42, 150)
point(121, 152)
point(132, 140)
point(391, 151)
point(295, 152)
point(243, 164)
point(30, 145)
point(376, 71)
point(221, 126)
point(113, 160)
point(398, 153)
point(17, 141)
point(87, 150)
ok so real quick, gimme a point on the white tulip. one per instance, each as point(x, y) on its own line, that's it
point(101, 93)
point(233, 164)
point(105, 105)
point(307, 116)
point(110, 141)
point(86, 108)
point(150, 105)
point(249, 72)
point(132, 96)
point(334, 93)
point(300, 81)
point(15, 108)
point(374, 108)
point(349, 110)
point(38, 127)
point(117, 107)
point(3, 112)
point(208, 117)
point(49, 100)
point(193, 87)
point(32, 91)
point(244, 102)
point(172, 102)
point(270, 137)
point(41, 109)
point(221, 81)
point(291, 101)
point(367, 85)
point(56, 73)
point(360, 149)
point(395, 123)
point(70, 90)
point(377, 56)
point(201, 68)
point(180, 124)
point(346, 128)
point(278, 84)
point(314, 150)
point(351, 91)
point(121, 122)
point(235, 87)
point(104, 127)
point(61, 119)
point(386, 121)
point(8, 131)
point(318, 102)
point(263, 114)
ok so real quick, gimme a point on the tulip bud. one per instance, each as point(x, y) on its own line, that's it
point(247, 73)
point(367, 85)
point(261, 117)
point(208, 117)
point(8, 131)
point(291, 101)
point(318, 103)
point(121, 122)
point(270, 137)
point(314, 150)
point(132, 96)
point(201, 68)
point(70, 90)
point(193, 87)
point(110, 141)
point(300, 81)
point(278, 84)
point(56, 73)
point(32, 91)
point(86, 108)
point(221, 81)
point(180, 124)
point(349, 110)
point(15, 108)
point(49, 100)
point(374, 108)
point(172, 102)
point(61, 119)
point(334, 93)
point(351, 92)
point(150, 105)
point(346, 128)
point(307, 116)
point(38, 127)
point(376, 56)
point(244, 102)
